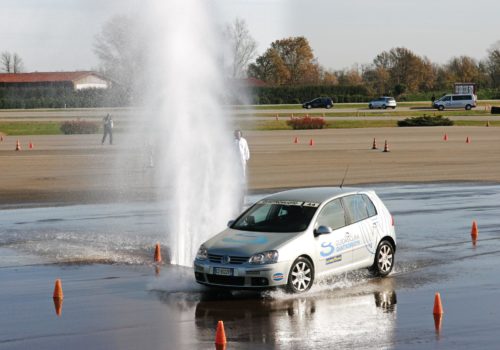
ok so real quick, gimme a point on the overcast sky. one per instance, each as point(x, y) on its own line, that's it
point(56, 35)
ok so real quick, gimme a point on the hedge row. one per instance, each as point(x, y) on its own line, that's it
point(299, 94)
point(426, 120)
point(306, 123)
point(60, 97)
point(79, 127)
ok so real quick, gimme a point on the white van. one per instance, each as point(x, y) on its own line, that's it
point(466, 101)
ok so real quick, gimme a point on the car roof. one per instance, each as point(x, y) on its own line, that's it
point(312, 194)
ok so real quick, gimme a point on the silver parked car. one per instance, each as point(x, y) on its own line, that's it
point(293, 237)
point(383, 102)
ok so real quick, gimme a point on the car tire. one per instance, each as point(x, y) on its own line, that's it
point(384, 259)
point(468, 107)
point(441, 108)
point(301, 276)
point(328, 106)
point(308, 106)
point(394, 107)
point(370, 106)
point(384, 106)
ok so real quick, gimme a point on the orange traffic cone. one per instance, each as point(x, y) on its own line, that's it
point(311, 142)
point(374, 146)
point(58, 297)
point(386, 147)
point(467, 140)
point(438, 307)
point(220, 334)
point(445, 137)
point(474, 232)
point(18, 145)
point(296, 140)
point(31, 145)
point(157, 253)
point(58, 292)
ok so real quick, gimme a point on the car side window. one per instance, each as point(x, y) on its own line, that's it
point(447, 98)
point(332, 215)
point(356, 207)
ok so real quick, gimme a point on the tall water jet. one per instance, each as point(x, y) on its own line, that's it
point(195, 157)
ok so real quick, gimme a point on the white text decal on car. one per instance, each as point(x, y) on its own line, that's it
point(311, 204)
point(281, 202)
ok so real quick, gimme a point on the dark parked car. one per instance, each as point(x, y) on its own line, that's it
point(319, 102)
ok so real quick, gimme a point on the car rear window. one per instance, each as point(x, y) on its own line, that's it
point(277, 216)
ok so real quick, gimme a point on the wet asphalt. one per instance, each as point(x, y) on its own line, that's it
point(114, 298)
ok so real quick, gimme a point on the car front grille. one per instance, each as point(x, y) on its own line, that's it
point(236, 260)
point(226, 280)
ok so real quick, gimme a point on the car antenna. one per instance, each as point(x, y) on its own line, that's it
point(343, 179)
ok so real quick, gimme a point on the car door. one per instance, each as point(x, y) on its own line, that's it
point(329, 253)
point(363, 224)
point(447, 102)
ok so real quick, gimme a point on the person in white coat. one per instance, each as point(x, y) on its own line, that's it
point(243, 153)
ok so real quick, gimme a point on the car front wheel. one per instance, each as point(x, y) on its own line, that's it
point(301, 276)
point(441, 108)
point(384, 259)
point(328, 106)
point(308, 106)
point(468, 107)
point(384, 106)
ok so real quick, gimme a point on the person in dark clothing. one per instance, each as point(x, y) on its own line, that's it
point(108, 129)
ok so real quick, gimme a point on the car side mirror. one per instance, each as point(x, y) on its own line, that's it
point(230, 223)
point(322, 230)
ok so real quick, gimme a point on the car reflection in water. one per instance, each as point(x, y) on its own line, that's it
point(350, 317)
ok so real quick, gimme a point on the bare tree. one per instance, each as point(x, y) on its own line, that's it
point(11, 63)
point(17, 63)
point(242, 47)
point(6, 62)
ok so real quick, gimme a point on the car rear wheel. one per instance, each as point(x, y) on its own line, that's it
point(301, 276)
point(441, 108)
point(384, 259)
point(468, 107)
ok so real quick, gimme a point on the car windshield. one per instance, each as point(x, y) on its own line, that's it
point(277, 216)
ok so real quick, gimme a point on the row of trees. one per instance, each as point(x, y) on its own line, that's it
point(291, 62)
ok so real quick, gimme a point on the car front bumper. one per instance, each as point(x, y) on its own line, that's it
point(241, 275)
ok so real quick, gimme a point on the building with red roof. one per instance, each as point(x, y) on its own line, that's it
point(76, 80)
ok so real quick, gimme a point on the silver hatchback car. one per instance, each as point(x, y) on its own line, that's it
point(383, 102)
point(293, 237)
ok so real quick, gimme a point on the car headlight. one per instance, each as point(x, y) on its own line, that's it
point(202, 253)
point(269, 257)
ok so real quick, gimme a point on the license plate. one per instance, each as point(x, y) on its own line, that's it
point(222, 271)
